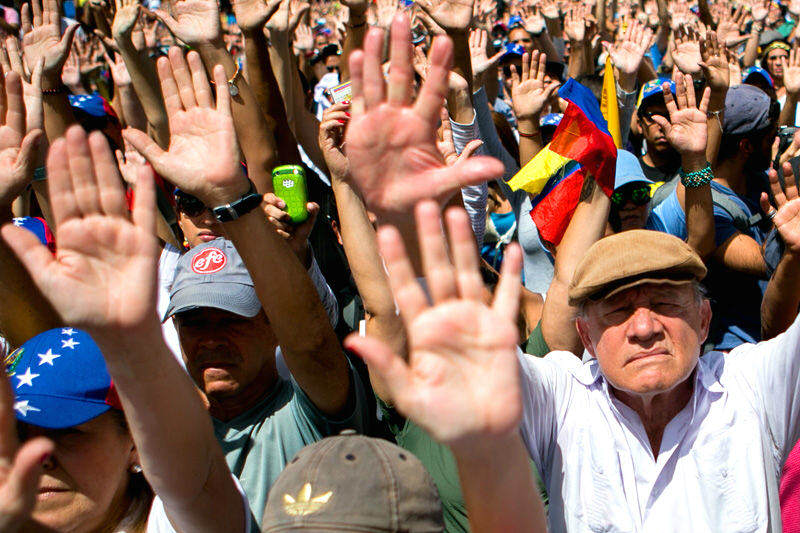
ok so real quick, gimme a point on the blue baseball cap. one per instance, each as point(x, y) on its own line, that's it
point(653, 92)
point(515, 21)
point(551, 119)
point(629, 170)
point(60, 380)
point(511, 50)
point(38, 227)
point(757, 71)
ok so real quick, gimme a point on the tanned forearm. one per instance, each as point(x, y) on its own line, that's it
point(265, 88)
point(255, 138)
point(587, 226)
point(308, 343)
point(699, 208)
point(782, 297)
point(353, 39)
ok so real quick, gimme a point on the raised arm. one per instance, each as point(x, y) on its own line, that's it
point(791, 82)
point(141, 69)
point(103, 280)
point(203, 160)
point(686, 132)
point(455, 18)
point(24, 313)
point(782, 297)
point(196, 22)
point(462, 379)
point(529, 94)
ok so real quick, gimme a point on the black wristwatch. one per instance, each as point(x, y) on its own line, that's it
point(249, 201)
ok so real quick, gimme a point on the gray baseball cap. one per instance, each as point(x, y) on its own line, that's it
point(747, 109)
point(213, 274)
point(353, 483)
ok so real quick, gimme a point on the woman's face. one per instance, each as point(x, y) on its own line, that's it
point(198, 227)
point(85, 481)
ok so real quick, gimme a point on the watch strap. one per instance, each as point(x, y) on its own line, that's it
point(238, 208)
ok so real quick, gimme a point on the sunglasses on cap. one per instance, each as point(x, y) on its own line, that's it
point(639, 195)
point(189, 205)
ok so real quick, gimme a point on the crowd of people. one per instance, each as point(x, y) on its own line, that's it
point(265, 266)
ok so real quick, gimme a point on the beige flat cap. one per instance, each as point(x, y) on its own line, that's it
point(631, 258)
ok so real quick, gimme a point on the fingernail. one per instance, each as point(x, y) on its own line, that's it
point(340, 121)
point(346, 113)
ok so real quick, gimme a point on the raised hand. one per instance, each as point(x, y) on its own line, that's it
point(42, 39)
point(787, 216)
point(550, 9)
point(575, 23)
point(103, 276)
point(715, 63)
point(533, 20)
point(759, 9)
point(303, 38)
point(71, 73)
point(295, 235)
point(17, 149)
point(791, 71)
point(386, 10)
point(391, 144)
point(481, 62)
point(794, 7)
point(251, 15)
point(331, 138)
point(461, 380)
point(628, 51)
point(11, 60)
point(119, 72)
point(451, 15)
point(685, 50)
point(529, 92)
point(20, 466)
point(125, 16)
point(194, 22)
point(203, 155)
point(686, 128)
point(447, 146)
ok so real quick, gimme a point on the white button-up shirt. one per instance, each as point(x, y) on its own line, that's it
point(720, 459)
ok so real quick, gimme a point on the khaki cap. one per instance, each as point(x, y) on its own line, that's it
point(632, 258)
point(353, 483)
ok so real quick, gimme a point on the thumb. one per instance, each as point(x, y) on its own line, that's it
point(766, 207)
point(26, 150)
point(166, 19)
point(469, 171)
point(385, 362)
point(19, 490)
point(65, 44)
point(145, 146)
point(665, 124)
point(470, 149)
point(495, 58)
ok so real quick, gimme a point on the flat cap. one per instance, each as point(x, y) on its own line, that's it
point(631, 258)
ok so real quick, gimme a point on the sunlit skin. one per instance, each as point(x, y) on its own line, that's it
point(85, 481)
point(647, 341)
point(521, 37)
point(230, 357)
point(774, 64)
point(202, 228)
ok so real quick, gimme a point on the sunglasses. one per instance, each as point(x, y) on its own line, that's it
point(638, 195)
point(189, 205)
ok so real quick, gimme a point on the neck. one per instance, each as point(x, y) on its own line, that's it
point(657, 159)
point(656, 410)
point(731, 174)
point(226, 408)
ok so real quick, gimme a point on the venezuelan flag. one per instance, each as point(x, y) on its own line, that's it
point(581, 145)
point(609, 105)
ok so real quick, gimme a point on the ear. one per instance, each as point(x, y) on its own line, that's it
point(745, 148)
point(583, 331)
point(133, 458)
point(705, 320)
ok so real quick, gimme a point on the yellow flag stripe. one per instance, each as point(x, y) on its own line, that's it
point(608, 104)
point(534, 175)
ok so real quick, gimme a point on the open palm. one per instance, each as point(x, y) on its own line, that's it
point(16, 148)
point(391, 145)
point(529, 93)
point(253, 14)
point(103, 275)
point(42, 39)
point(203, 155)
point(687, 128)
point(193, 21)
point(449, 14)
point(461, 379)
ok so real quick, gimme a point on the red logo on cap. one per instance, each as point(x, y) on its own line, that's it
point(209, 261)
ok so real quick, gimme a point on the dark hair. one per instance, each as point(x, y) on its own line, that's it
point(140, 493)
point(729, 144)
point(594, 82)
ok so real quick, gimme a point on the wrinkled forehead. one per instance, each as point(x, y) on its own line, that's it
point(647, 292)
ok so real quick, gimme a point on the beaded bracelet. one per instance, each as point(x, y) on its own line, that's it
point(698, 178)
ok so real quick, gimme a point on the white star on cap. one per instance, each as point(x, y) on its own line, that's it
point(48, 357)
point(18, 222)
point(68, 331)
point(23, 407)
point(69, 343)
point(26, 378)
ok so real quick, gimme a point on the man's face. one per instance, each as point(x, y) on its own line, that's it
point(521, 37)
point(226, 354)
point(646, 339)
point(655, 134)
point(774, 62)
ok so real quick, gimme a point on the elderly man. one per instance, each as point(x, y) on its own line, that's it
point(646, 436)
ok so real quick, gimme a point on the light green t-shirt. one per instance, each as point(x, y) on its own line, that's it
point(258, 444)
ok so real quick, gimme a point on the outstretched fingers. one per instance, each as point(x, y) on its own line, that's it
point(408, 294)
point(374, 85)
point(433, 248)
point(433, 91)
point(507, 292)
point(401, 74)
point(465, 254)
point(109, 182)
